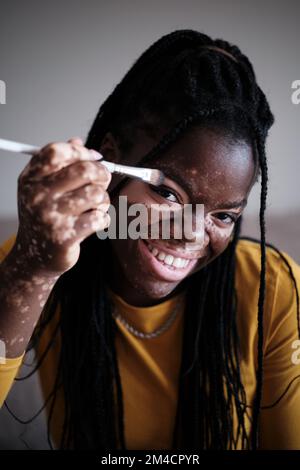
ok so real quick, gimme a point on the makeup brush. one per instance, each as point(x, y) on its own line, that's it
point(151, 176)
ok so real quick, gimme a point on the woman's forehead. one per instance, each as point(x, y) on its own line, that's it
point(207, 161)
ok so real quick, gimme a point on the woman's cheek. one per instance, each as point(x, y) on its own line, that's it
point(219, 237)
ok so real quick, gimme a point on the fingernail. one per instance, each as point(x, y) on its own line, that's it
point(95, 155)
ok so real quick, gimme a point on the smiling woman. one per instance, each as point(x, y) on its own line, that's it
point(150, 344)
point(216, 172)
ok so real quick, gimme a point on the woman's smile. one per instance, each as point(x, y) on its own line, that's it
point(163, 263)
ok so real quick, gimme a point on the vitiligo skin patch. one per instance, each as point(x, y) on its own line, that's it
point(62, 199)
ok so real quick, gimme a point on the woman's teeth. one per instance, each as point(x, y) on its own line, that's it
point(168, 259)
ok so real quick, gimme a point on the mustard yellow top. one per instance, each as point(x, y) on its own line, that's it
point(149, 368)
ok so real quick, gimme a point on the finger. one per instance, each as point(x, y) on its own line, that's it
point(53, 187)
point(54, 157)
point(75, 176)
point(91, 222)
point(91, 196)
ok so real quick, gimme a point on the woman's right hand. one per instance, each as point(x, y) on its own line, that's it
point(62, 199)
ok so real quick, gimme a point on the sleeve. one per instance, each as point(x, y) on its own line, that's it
point(280, 413)
point(8, 371)
point(8, 367)
point(6, 247)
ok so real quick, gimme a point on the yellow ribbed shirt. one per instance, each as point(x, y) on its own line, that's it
point(149, 368)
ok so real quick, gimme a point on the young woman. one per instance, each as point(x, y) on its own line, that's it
point(147, 344)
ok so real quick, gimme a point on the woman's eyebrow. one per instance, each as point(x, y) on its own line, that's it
point(177, 178)
point(232, 204)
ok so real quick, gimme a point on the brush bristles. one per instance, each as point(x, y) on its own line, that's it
point(157, 177)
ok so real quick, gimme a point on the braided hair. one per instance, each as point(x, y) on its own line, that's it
point(184, 79)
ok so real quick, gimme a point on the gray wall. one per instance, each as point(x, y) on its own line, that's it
point(61, 59)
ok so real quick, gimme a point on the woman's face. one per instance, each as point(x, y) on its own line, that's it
point(203, 167)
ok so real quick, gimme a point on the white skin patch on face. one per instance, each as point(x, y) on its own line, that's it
point(13, 341)
point(193, 171)
point(17, 301)
point(38, 280)
point(213, 230)
point(25, 309)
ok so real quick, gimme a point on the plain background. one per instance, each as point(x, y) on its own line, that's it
point(60, 60)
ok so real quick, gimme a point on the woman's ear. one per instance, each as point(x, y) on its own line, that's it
point(110, 148)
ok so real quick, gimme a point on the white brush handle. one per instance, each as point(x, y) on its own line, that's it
point(17, 147)
point(144, 174)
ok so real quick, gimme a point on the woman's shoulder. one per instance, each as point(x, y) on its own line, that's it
point(248, 258)
point(282, 270)
point(282, 287)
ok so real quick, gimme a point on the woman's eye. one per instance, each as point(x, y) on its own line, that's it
point(165, 192)
point(226, 218)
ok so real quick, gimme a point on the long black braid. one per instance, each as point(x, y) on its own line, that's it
point(182, 80)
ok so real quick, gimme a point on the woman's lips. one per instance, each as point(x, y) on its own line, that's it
point(194, 253)
point(162, 268)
